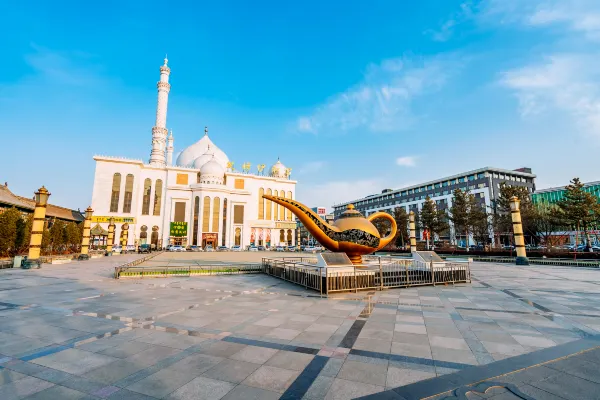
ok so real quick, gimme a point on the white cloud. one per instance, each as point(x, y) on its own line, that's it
point(327, 194)
point(446, 30)
point(382, 101)
point(406, 161)
point(311, 167)
point(567, 82)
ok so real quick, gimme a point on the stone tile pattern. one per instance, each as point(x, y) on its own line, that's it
point(73, 332)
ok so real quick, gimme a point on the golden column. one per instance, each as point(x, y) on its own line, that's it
point(124, 237)
point(413, 232)
point(85, 240)
point(111, 236)
point(518, 231)
point(37, 228)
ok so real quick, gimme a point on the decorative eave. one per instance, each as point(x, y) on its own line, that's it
point(122, 160)
point(209, 188)
point(261, 177)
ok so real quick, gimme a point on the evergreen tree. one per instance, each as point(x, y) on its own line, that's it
point(502, 219)
point(9, 221)
point(580, 209)
point(401, 217)
point(57, 235)
point(549, 219)
point(73, 236)
point(432, 219)
point(459, 213)
point(479, 222)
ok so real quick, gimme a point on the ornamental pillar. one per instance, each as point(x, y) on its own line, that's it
point(515, 213)
point(111, 236)
point(413, 232)
point(85, 240)
point(37, 228)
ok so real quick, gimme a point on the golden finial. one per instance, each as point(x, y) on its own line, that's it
point(246, 167)
point(206, 130)
point(260, 168)
point(230, 165)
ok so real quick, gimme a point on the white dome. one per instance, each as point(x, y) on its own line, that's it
point(278, 170)
point(189, 155)
point(204, 158)
point(212, 172)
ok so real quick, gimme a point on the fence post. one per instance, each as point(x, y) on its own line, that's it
point(407, 276)
point(380, 275)
point(355, 281)
point(432, 274)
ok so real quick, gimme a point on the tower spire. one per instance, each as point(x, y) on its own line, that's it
point(205, 130)
point(170, 148)
point(159, 131)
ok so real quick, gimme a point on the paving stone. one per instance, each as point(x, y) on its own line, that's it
point(411, 338)
point(271, 378)
point(537, 341)
point(508, 349)
point(202, 388)
point(448, 343)
point(362, 372)
point(151, 355)
point(332, 368)
point(23, 387)
point(404, 376)
point(74, 361)
point(83, 384)
point(254, 354)
point(231, 371)
point(573, 387)
point(342, 389)
point(59, 392)
point(221, 349)
point(405, 328)
point(7, 376)
point(380, 346)
point(162, 383)
point(53, 375)
point(113, 372)
point(319, 388)
point(243, 392)
point(412, 350)
point(125, 394)
point(126, 349)
point(290, 360)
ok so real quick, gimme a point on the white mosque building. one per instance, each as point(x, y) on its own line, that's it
point(198, 200)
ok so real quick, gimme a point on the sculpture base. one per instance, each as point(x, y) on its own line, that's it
point(29, 264)
point(355, 258)
point(522, 261)
point(83, 257)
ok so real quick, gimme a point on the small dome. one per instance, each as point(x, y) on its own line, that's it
point(204, 158)
point(212, 172)
point(278, 170)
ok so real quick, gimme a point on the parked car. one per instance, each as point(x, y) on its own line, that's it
point(195, 248)
point(261, 248)
point(291, 248)
point(116, 249)
point(222, 248)
point(319, 248)
point(176, 248)
point(508, 247)
point(144, 248)
point(252, 248)
point(236, 248)
point(309, 249)
point(209, 248)
point(279, 248)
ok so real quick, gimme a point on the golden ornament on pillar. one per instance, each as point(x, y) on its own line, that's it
point(515, 213)
point(351, 233)
point(85, 240)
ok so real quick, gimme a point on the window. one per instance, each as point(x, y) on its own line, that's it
point(445, 184)
point(157, 196)
point(238, 183)
point(481, 175)
point(438, 185)
point(289, 213)
point(179, 212)
point(198, 177)
point(128, 193)
point(146, 196)
point(471, 178)
point(182, 179)
point(261, 204)
point(238, 214)
point(460, 180)
point(116, 192)
point(224, 222)
point(196, 215)
point(215, 214)
point(206, 214)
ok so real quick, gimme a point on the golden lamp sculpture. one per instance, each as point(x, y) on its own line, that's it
point(351, 233)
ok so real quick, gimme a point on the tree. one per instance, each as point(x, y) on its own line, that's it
point(479, 221)
point(8, 230)
point(502, 219)
point(549, 219)
point(432, 219)
point(401, 217)
point(459, 214)
point(73, 234)
point(57, 235)
point(580, 208)
point(23, 233)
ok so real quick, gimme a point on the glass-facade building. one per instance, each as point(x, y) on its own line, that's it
point(554, 195)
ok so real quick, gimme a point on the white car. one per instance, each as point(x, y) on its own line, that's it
point(236, 248)
point(209, 248)
point(309, 249)
point(252, 248)
point(116, 249)
point(176, 248)
point(279, 248)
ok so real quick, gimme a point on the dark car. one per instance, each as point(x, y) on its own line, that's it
point(144, 248)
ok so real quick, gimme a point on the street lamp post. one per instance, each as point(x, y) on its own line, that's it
point(85, 240)
point(37, 229)
point(111, 236)
point(515, 212)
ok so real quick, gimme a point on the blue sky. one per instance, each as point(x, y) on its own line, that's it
point(354, 97)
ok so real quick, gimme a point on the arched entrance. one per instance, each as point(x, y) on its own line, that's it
point(281, 237)
point(144, 234)
point(154, 237)
point(289, 237)
point(238, 237)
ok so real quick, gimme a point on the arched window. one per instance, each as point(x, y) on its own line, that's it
point(289, 237)
point(128, 193)
point(215, 214)
point(196, 215)
point(206, 215)
point(157, 196)
point(224, 231)
point(146, 197)
point(116, 192)
point(238, 237)
point(261, 204)
point(143, 234)
point(269, 207)
point(154, 237)
point(275, 208)
point(290, 216)
point(281, 236)
point(198, 178)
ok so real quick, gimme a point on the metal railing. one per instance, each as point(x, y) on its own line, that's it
point(186, 271)
point(562, 262)
point(379, 273)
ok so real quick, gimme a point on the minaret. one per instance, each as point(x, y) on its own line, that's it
point(159, 131)
point(170, 149)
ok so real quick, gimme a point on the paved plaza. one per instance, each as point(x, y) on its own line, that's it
point(73, 332)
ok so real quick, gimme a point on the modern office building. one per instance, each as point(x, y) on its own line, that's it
point(484, 183)
point(555, 194)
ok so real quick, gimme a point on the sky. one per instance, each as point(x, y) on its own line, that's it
point(354, 96)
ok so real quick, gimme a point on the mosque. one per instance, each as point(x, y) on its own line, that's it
point(201, 199)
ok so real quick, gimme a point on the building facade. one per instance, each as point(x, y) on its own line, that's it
point(200, 199)
point(304, 236)
point(554, 195)
point(484, 183)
